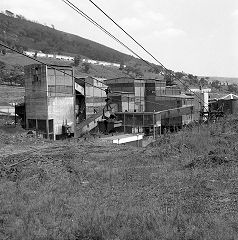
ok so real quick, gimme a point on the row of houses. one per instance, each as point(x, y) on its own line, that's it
point(45, 55)
point(69, 58)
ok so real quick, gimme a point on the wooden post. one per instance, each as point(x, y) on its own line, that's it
point(15, 115)
point(133, 122)
point(160, 128)
point(47, 128)
point(154, 124)
point(143, 121)
point(124, 123)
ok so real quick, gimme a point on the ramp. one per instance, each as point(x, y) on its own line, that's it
point(90, 123)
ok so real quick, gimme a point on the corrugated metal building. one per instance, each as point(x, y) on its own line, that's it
point(142, 103)
point(90, 97)
point(50, 100)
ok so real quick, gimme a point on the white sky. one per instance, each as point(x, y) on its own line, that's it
point(194, 36)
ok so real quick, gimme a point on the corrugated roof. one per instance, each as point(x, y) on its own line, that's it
point(216, 96)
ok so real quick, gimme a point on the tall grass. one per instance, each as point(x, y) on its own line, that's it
point(183, 187)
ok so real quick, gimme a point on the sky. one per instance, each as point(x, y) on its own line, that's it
point(195, 36)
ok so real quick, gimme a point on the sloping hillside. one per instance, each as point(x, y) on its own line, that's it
point(19, 32)
point(23, 34)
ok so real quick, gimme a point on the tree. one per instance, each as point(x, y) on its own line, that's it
point(168, 78)
point(233, 88)
point(20, 49)
point(46, 50)
point(129, 69)
point(121, 65)
point(4, 52)
point(86, 67)
point(216, 84)
point(77, 60)
point(157, 69)
point(190, 76)
point(179, 75)
point(138, 72)
point(203, 82)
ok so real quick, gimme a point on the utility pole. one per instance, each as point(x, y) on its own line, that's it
point(15, 114)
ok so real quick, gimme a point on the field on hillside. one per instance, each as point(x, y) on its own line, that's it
point(182, 187)
point(94, 70)
point(11, 94)
point(17, 59)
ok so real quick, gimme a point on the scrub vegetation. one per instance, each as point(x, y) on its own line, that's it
point(184, 186)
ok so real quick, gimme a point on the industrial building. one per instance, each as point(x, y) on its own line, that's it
point(90, 97)
point(50, 100)
point(149, 106)
point(58, 104)
point(55, 101)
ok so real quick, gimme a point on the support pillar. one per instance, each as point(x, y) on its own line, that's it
point(124, 121)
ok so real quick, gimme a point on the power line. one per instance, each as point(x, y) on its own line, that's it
point(130, 36)
point(71, 5)
point(50, 66)
point(62, 71)
point(75, 8)
point(126, 33)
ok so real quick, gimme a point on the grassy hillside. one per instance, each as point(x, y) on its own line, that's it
point(12, 59)
point(183, 187)
point(11, 94)
point(23, 34)
point(19, 32)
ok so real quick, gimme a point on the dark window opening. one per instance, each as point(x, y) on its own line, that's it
point(32, 124)
point(41, 125)
point(51, 126)
point(36, 74)
point(35, 78)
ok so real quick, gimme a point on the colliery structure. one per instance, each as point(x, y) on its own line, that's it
point(50, 100)
point(59, 105)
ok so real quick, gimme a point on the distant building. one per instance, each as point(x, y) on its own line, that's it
point(6, 109)
point(148, 105)
point(201, 90)
point(140, 94)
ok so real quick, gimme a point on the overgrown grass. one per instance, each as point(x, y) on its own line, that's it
point(183, 187)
